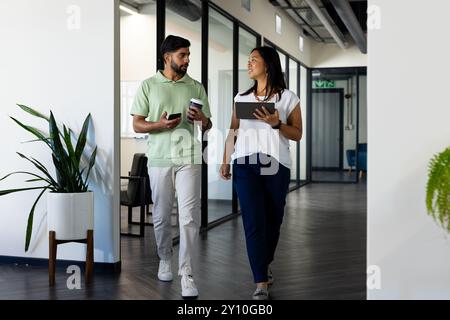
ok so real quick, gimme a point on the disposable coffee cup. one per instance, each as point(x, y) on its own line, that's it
point(195, 103)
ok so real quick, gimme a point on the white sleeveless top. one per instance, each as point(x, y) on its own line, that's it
point(256, 136)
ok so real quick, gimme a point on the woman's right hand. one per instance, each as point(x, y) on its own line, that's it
point(225, 171)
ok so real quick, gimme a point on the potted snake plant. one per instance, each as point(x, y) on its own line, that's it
point(438, 188)
point(70, 204)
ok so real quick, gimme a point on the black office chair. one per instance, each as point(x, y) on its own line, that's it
point(138, 193)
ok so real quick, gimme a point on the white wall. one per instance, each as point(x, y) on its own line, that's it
point(408, 123)
point(332, 56)
point(262, 20)
point(72, 72)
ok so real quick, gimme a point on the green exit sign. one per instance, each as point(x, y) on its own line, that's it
point(324, 84)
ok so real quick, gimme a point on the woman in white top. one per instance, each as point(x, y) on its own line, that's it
point(261, 158)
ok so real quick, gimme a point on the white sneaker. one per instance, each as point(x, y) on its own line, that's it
point(188, 287)
point(261, 294)
point(165, 270)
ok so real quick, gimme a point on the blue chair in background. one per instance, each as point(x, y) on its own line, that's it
point(351, 159)
point(362, 158)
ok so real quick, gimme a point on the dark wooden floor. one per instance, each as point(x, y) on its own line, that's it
point(321, 255)
point(334, 176)
point(217, 209)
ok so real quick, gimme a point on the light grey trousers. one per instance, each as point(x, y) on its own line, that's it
point(186, 181)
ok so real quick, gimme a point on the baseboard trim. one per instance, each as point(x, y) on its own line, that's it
point(99, 267)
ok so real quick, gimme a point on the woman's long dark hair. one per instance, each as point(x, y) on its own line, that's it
point(275, 77)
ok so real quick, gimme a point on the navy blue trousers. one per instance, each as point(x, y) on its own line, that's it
point(262, 198)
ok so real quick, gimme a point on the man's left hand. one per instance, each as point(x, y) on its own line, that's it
point(196, 114)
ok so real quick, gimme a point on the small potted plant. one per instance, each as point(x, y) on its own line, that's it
point(438, 188)
point(70, 204)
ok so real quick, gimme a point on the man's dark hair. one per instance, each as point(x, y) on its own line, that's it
point(173, 43)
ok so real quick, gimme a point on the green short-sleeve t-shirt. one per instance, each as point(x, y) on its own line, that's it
point(159, 94)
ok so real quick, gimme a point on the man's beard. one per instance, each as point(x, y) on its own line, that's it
point(178, 69)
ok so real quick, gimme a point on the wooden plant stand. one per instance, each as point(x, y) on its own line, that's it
point(53, 243)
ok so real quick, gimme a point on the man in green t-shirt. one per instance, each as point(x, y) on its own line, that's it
point(174, 155)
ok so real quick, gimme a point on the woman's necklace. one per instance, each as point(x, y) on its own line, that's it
point(258, 99)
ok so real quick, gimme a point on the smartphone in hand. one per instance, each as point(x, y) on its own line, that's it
point(174, 116)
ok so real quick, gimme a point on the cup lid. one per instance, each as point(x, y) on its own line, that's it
point(197, 101)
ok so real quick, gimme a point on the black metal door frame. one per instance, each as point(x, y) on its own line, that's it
point(341, 120)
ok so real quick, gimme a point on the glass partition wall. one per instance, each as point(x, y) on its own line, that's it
point(336, 146)
point(186, 23)
point(247, 42)
point(221, 90)
point(293, 85)
point(292, 70)
point(220, 47)
point(303, 142)
point(138, 62)
point(220, 93)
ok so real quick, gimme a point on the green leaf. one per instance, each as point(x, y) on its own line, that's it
point(28, 173)
point(5, 192)
point(61, 174)
point(438, 188)
point(8, 175)
point(30, 221)
point(46, 140)
point(64, 167)
point(80, 183)
point(81, 143)
point(33, 112)
point(40, 167)
point(91, 164)
point(32, 130)
point(56, 144)
point(70, 150)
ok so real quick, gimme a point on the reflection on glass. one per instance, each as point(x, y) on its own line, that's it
point(334, 126)
point(283, 63)
point(304, 108)
point(293, 144)
point(138, 62)
point(138, 44)
point(247, 42)
point(187, 23)
point(220, 91)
